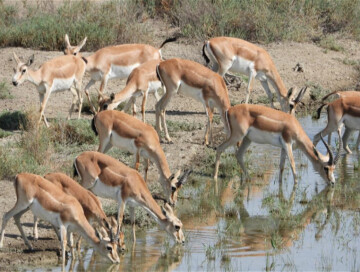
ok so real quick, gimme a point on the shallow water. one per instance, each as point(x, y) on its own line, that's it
point(256, 225)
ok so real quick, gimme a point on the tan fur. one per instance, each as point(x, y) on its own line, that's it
point(174, 72)
point(137, 82)
point(278, 128)
point(146, 140)
point(225, 49)
point(60, 68)
point(347, 105)
point(30, 187)
point(94, 167)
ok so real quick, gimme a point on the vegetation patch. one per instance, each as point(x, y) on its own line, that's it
point(13, 120)
point(5, 91)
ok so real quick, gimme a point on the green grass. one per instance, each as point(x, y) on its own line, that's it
point(12, 120)
point(4, 134)
point(5, 91)
point(329, 43)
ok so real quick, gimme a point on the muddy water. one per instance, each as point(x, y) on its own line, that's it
point(258, 224)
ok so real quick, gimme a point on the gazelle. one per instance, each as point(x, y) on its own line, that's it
point(115, 61)
point(119, 129)
point(141, 81)
point(191, 79)
point(63, 211)
point(239, 56)
point(343, 111)
point(89, 202)
point(109, 178)
point(263, 125)
point(58, 74)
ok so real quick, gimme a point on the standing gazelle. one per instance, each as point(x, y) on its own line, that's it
point(109, 178)
point(263, 125)
point(239, 56)
point(89, 202)
point(63, 211)
point(141, 81)
point(119, 129)
point(115, 61)
point(58, 74)
point(345, 110)
point(191, 79)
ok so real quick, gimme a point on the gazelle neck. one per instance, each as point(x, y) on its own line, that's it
point(153, 208)
point(124, 94)
point(307, 147)
point(34, 77)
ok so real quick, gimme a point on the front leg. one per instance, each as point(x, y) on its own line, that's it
point(120, 217)
point(43, 101)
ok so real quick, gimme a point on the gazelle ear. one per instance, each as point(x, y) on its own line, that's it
point(16, 58)
point(112, 97)
point(164, 211)
point(98, 234)
point(290, 92)
point(82, 43)
point(67, 42)
point(31, 60)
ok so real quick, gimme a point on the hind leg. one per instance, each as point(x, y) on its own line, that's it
point(19, 208)
point(345, 138)
point(241, 152)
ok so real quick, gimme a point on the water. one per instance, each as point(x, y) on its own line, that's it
point(256, 225)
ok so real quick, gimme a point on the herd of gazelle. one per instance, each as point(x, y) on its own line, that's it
point(70, 207)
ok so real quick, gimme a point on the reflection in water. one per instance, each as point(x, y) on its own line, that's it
point(257, 225)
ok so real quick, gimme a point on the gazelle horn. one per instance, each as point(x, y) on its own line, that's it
point(331, 155)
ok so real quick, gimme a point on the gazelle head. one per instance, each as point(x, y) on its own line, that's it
point(73, 50)
point(21, 70)
point(176, 182)
point(172, 224)
point(108, 247)
point(105, 102)
point(327, 167)
point(295, 101)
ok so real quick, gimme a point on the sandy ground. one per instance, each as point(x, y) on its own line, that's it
point(323, 67)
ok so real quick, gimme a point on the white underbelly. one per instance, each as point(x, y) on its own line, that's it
point(121, 72)
point(39, 211)
point(351, 121)
point(264, 137)
point(123, 143)
point(241, 65)
point(188, 90)
point(106, 191)
point(62, 84)
point(154, 86)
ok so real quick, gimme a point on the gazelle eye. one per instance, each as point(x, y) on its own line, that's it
point(23, 71)
point(75, 53)
point(173, 189)
point(109, 248)
point(177, 228)
point(326, 169)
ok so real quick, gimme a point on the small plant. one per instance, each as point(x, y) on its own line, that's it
point(263, 99)
point(13, 120)
point(209, 252)
point(329, 43)
point(176, 126)
point(5, 91)
point(4, 134)
point(317, 91)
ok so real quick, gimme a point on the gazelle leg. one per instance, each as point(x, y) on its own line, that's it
point(249, 87)
point(121, 210)
point(87, 87)
point(17, 209)
point(73, 102)
point(210, 114)
point(132, 219)
point(43, 101)
point(137, 160)
point(266, 87)
point(143, 106)
point(345, 138)
point(147, 162)
point(289, 153)
point(358, 142)
point(63, 236)
point(241, 152)
point(18, 224)
point(35, 229)
point(78, 86)
point(160, 114)
point(232, 140)
point(282, 163)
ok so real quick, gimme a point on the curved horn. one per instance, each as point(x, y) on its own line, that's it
point(300, 95)
point(183, 178)
point(331, 155)
point(337, 157)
